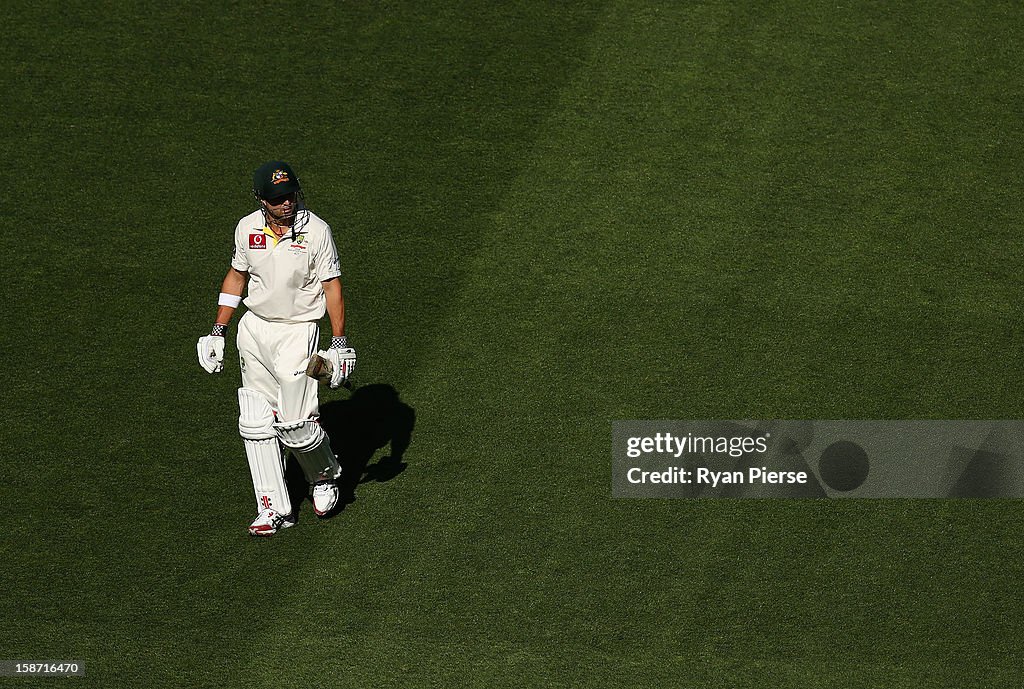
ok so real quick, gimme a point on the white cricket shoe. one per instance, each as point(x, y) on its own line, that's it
point(269, 522)
point(325, 497)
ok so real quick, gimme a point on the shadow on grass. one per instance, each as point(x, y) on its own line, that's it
point(372, 418)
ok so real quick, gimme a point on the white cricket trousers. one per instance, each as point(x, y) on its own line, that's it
point(273, 358)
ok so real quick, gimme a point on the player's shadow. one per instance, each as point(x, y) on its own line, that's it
point(372, 418)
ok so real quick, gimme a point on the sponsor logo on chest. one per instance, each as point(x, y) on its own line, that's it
point(257, 241)
point(298, 244)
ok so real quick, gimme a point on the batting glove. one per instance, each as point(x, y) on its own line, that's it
point(343, 361)
point(211, 353)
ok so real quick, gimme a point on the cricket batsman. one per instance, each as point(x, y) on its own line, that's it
point(286, 255)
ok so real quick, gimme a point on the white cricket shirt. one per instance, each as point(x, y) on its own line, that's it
point(285, 274)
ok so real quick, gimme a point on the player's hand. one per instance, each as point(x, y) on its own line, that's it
point(211, 353)
point(343, 363)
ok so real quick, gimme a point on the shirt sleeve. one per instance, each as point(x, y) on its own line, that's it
point(239, 259)
point(326, 261)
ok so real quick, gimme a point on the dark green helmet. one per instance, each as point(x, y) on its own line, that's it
point(273, 179)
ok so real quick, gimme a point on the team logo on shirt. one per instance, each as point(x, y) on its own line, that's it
point(278, 177)
point(257, 241)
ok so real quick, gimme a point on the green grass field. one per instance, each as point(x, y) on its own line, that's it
point(551, 216)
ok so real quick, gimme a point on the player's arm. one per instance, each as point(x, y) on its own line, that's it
point(341, 356)
point(211, 347)
point(335, 306)
point(230, 295)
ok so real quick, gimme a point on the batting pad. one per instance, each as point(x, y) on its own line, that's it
point(255, 416)
point(312, 449)
point(266, 464)
point(262, 449)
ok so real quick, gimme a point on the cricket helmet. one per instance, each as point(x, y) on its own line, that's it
point(274, 178)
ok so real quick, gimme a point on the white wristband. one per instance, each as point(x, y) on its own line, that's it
point(232, 300)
